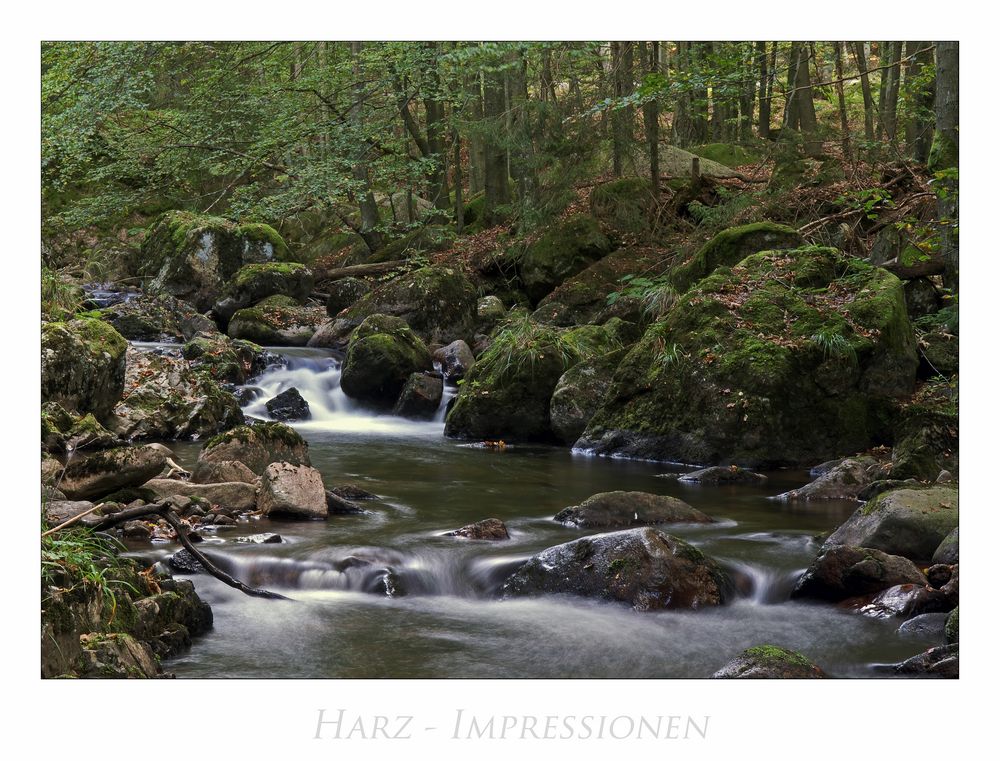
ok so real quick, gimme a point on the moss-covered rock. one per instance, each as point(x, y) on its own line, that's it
point(156, 317)
point(926, 434)
point(579, 393)
point(382, 355)
point(276, 321)
point(791, 357)
point(624, 205)
point(642, 567)
point(947, 551)
point(561, 251)
point(506, 394)
point(769, 662)
point(83, 365)
point(420, 397)
point(625, 509)
point(438, 303)
point(732, 246)
point(343, 293)
point(255, 282)
point(911, 522)
point(192, 256)
point(167, 399)
point(951, 628)
point(257, 446)
point(226, 360)
point(726, 154)
point(105, 472)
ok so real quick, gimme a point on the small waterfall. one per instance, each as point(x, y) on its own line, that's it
point(761, 585)
point(316, 375)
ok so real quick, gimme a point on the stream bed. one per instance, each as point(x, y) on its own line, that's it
point(341, 623)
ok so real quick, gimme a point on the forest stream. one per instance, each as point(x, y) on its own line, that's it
point(427, 605)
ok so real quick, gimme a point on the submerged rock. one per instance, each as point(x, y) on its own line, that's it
point(924, 625)
point(256, 446)
point(382, 355)
point(337, 504)
point(759, 366)
point(104, 472)
point(720, 474)
point(907, 522)
point(846, 480)
point(292, 491)
point(840, 572)
point(769, 662)
point(642, 567)
point(619, 509)
point(488, 529)
point(83, 366)
point(289, 405)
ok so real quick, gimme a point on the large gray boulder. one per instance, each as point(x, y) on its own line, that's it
point(108, 471)
point(292, 491)
point(642, 567)
point(846, 480)
point(841, 572)
point(83, 366)
point(908, 522)
point(622, 509)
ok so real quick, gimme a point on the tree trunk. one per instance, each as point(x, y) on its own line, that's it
point(651, 119)
point(944, 156)
point(888, 105)
point(764, 108)
point(920, 94)
point(456, 146)
point(845, 130)
point(365, 197)
point(858, 49)
point(495, 154)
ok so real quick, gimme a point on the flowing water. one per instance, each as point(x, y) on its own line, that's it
point(344, 621)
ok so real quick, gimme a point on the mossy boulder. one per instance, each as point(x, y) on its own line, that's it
point(561, 251)
point(276, 321)
point(255, 282)
point(226, 360)
point(166, 399)
point(156, 317)
point(926, 434)
point(642, 567)
point(790, 358)
point(382, 355)
point(727, 154)
point(506, 393)
point(624, 205)
point(343, 293)
point(911, 522)
point(951, 628)
point(625, 509)
point(769, 662)
point(420, 397)
point(947, 551)
point(105, 472)
point(731, 247)
point(579, 393)
point(193, 256)
point(83, 366)
point(840, 572)
point(438, 303)
point(257, 446)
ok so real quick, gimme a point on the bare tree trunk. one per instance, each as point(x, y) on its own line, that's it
point(366, 198)
point(651, 118)
point(944, 156)
point(845, 131)
point(495, 165)
point(888, 104)
point(456, 146)
point(920, 92)
point(866, 89)
point(764, 106)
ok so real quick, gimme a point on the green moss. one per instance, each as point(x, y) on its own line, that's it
point(562, 251)
point(726, 154)
point(625, 205)
point(261, 233)
point(777, 656)
point(249, 273)
point(951, 628)
point(944, 153)
point(423, 240)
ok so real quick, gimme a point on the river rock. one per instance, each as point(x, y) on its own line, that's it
point(294, 491)
point(489, 311)
point(909, 522)
point(620, 509)
point(117, 655)
point(57, 511)
point(506, 394)
point(420, 397)
point(926, 436)
point(227, 360)
point(883, 485)
point(336, 504)
point(951, 628)
point(908, 600)
point(107, 471)
point(350, 491)
point(236, 496)
point(289, 405)
point(343, 293)
point(560, 252)
point(841, 572)
point(83, 366)
point(924, 625)
point(846, 480)
point(168, 620)
point(940, 662)
point(167, 399)
point(719, 378)
point(333, 334)
point(382, 355)
point(192, 257)
point(489, 529)
point(157, 317)
point(438, 303)
point(722, 475)
point(455, 359)
point(578, 394)
point(643, 567)
point(224, 471)
point(255, 282)
point(947, 551)
point(266, 538)
point(769, 662)
point(183, 561)
point(256, 446)
point(277, 321)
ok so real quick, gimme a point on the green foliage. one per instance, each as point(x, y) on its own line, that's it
point(835, 345)
point(870, 201)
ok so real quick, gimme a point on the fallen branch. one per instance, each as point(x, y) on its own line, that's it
point(378, 268)
point(164, 511)
point(924, 268)
point(72, 520)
